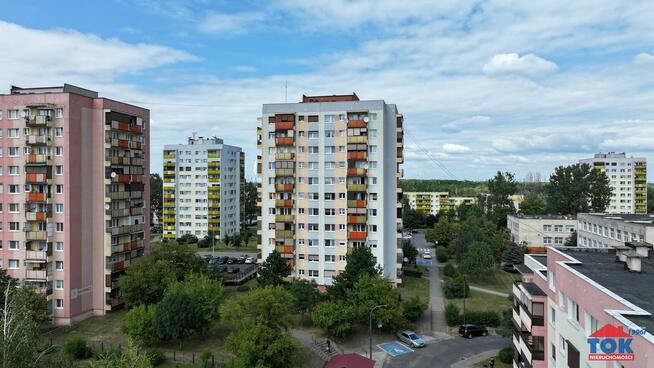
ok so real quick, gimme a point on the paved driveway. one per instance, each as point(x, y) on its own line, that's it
point(434, 319)
point(443, 353)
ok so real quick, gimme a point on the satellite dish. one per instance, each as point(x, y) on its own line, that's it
point(107, 206)
point(366, 119)
point(113, 175)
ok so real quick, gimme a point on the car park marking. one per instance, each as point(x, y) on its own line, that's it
point(395, 348)
point(423, 262)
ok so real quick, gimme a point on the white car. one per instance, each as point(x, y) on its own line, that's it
point(249, 260)
point(426, 256)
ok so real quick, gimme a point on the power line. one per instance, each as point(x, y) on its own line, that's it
point(431, 157)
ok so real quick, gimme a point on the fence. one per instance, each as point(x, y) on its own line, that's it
point(244, 274)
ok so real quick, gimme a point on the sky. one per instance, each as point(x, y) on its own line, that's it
point(520, 86)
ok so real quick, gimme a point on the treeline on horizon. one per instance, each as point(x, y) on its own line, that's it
point(465, 188)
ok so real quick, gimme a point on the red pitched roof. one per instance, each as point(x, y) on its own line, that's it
point(350, 361)
point(610, 330)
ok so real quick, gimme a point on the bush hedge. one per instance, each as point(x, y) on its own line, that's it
point(449, 270)
point(484, 318)
point(413, 272)
point(77, 348)
point(452, 314)
point(506, 355)
point(155, 356)
point(441, 254)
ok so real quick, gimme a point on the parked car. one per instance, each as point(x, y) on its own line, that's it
point(414, 231)
point(426, 256)
point(407, 237)
point(470, 330)
point(249, 260)
point(213, 260)
point(410, 338)
point(207, 258)
point(231, 260)
point(240, 259)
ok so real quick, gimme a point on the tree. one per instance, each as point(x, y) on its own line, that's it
point(411, 219)
point(139, 326)
point(513, 255)
point(413, 309)
point(478, 260)
point(533, 205)
point(237, 240)
point(145, 281)
point(273, 270)
point(306, 295)
point(249, 205)
point(187, 239)
point(270, 305)
point(372, 290)
point(205, 293)
point(35, 301)
point(333, 317)
point(498, 203)
point(246, 235)
point(360, 262)
point(572, 240)
point(177, 317)
point(261, 346)
point(578, 188)
point(409, 250)
point(181, 257)
point(156, 196)
point(445, 232)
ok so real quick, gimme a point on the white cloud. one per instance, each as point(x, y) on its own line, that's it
point(644, 58)
point(244, 68)
point(530, 65)
point(455, 148)
point(223, 23)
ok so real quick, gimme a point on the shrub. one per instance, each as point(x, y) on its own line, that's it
point(205, 357)
point(77, 348)
point(243, 288)
point(413, 309)
point(155, 356)
point(441, 254)
point(139, 324)
point(484, 318)
point(449, 270)
point(456, 287)
point(412, 272)
point(187, 239)
point(452, 315)
point(506, 355)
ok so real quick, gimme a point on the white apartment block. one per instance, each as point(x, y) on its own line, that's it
point(202, 188)
point(432, 203)
point(628, 181)
point(540, 231)
point(613, 230)
point(329, 169)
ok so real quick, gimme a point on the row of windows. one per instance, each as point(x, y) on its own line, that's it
point(330, 227)
point(329, 258)
point(548, 240)
point(18, 114)
point(15, 151)
point(315, 196)
point(15, 188)
point(15, 132)
point(611, 233)
point(15, 226)
point(15, 208)
point(15, 245)
point(558, 228)
point(15, 170)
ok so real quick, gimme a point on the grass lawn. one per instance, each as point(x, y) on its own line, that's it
point(479, 301)
point(97, 329)
point(413, 286)
point(499, 280)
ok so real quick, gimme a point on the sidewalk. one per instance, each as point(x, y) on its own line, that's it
point(489, 291)
point(469, 362)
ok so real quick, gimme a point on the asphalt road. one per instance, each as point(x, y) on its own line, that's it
point(228, 254)
point(443, 353)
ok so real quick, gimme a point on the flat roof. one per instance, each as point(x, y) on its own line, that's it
point(66, 88)
point(643, 219)
point(330, 98)
point(540, 258)
point(533, 289)
point(524, 270)
point(599, 264)
point(544, 217)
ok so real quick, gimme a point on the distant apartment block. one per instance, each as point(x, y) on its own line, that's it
point(612, 230)
point(329, 169)
point(433, 203)
point(75, 189)
point(572, 297)
point(202, 188)
point(628, 181)
point(540, 231)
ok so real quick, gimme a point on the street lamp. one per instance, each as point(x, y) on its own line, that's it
point(370, 325)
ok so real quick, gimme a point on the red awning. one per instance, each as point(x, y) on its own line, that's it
point(350, 361)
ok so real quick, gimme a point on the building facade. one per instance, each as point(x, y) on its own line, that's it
point(609, 231)
point(432, 203)
point(573, 299)
point(202, 188)
point(628, 181)
point(75, 193)
point(329, 168)
point(540, 231)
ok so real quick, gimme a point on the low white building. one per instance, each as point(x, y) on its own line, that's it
point(540, 231)
point(599, 230)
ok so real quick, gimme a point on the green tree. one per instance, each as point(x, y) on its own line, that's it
point(249, 193)
point(177, 317)
point(445, 232)
point(409, 250)
point(260, 346)
point(333, 317)
point(372, 290)
point(237, 240)
point(513, 255)
point(187, 239)
point(270, 305)
point(139, 326)
point(478, 261)
point(411, 219)
point(360, 262)
point(498, 203)
point(578, 188)
point(572, 240)
point(156, 196)
point(413, 309)
point(181, 257)
point(205, 293)
point(35, 301)
point(533, 205)
point(306, 295)
point(146, 281)
point(273, 270)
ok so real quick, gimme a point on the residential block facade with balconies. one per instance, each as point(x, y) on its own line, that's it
point(433, 203)
point(75, 189)
point(329, 169)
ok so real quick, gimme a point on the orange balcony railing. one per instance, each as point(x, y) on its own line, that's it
point(284, 187)
point(35, 178)
point(36, 197)
point(284, 125)
point(357, 172)
point(285, 141)
point(357, 235)
point(357, 155)
point(284, 203)
point(356, 203)
point(357, 219)
point(356, 124)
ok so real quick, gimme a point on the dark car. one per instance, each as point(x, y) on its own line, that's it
point(240, 259)
point(213, 260)
point(470, 330)
point(231, 260)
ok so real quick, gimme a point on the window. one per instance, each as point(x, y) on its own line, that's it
point(13, 132)
point(59, 189)
point(573, 310)
point(330, 211)
point(14, 226)
point(313, 273)
point(547, 228)
point(59, 151)
point(590, 324)
point(0, 114)
point(59, 208)
point(547, 240)
point(14, 188)
point(552, 316)
point(313, 134)
point(14, 170)
point(59, 227)
point(59, 304)
point(558, 240)
point(330, 258)
point(59, 113)
point(13, 151)
point(314, 181)
point(14, 207)
point(373, 149)
point(59, 284)
point(13, 264)
point(59, 265)
point(12, 114)
point(59, 170)
point(313, 149)
point(59, 132)
point(14, 245)
point(59, 246)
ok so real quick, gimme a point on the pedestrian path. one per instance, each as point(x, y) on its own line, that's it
point(489, 291)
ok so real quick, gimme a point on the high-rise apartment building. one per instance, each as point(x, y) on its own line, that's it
point(628, 180)
point(202, 186)
point(75, 194)
point(433, 203)
point(329, 169)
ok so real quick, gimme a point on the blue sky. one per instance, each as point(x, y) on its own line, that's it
point(484, 86)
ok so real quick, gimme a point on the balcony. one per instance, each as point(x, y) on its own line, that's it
point(284, 249)
point(357, 124)
point(284, 172)
point(284, 218)
point(169, 156)
point(126, 229)
point(356, 187)
point(36, 197)
point(37, 139)
point(284, 125)
point(39, 120)
point(357, 219)
point(283, 203)
point(283, 234)
point(36, 275)
point(356, 203)
point(36, 178)
point(284, 187)
point(38, 160)
point(357, 172)
point(358, 139)
point(214, 196)
point(36, 256)
point(284, 156)
point(285, 141)
point(357, 155)
point(35, 216)
point(357, 235)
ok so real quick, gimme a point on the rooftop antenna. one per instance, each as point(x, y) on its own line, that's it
point(286, 91)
